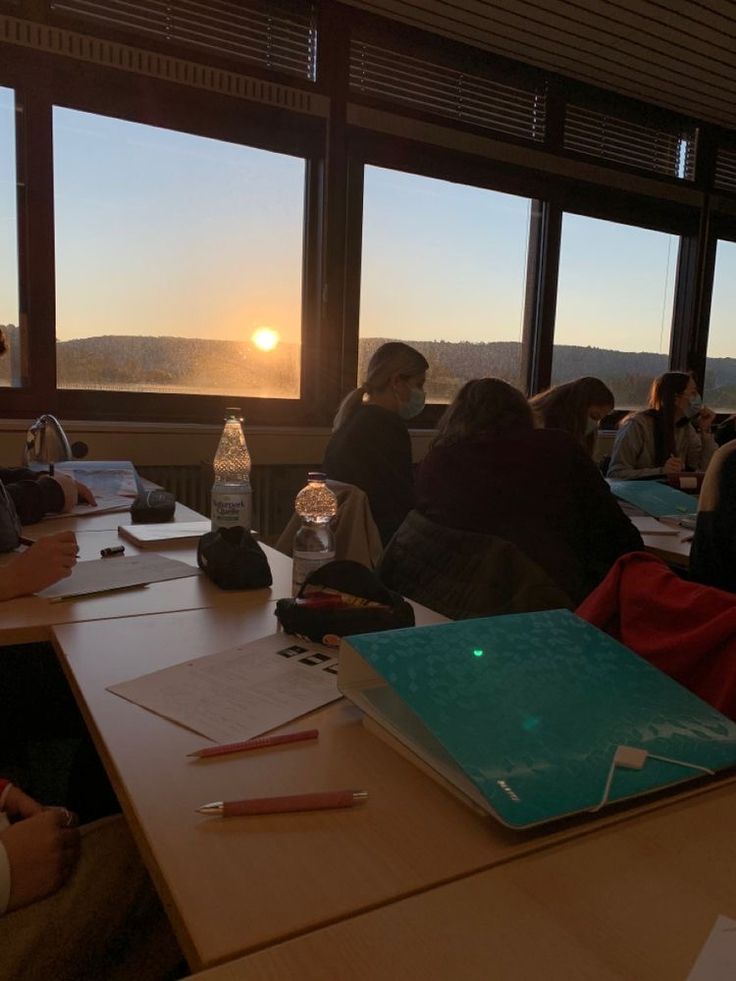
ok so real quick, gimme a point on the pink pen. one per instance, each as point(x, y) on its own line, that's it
point(260, 742)
point(282, 805)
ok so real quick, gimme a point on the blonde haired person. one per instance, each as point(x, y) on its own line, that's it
point(370, 445)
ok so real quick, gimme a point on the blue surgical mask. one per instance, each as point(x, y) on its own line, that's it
point(694, 407)
point(414, 404)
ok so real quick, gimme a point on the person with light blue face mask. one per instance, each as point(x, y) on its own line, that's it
point(370, 445)
point(672, 436)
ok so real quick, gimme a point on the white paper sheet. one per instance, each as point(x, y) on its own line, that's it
point(117, 572)
point(717, 959)
point(105, 478)
point(241, 692)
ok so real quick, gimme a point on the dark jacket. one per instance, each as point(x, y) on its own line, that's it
point(34, 494)
point(538, 489)
point(373, 451)
point(713, 553)
point(463, 574)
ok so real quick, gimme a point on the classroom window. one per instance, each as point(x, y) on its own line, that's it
point(720, 365)
point(443, 268)
point(614, 305)
point(10, 364)
point(178, 261)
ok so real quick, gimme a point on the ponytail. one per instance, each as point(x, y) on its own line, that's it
point(347, 407)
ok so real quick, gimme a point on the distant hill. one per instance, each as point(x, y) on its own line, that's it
point(201, 366)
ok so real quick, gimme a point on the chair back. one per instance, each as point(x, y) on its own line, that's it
point(355, 531)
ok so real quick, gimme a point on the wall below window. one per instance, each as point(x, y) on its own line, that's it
point(179, 458)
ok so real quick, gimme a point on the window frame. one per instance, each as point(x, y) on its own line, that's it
point(42, 82)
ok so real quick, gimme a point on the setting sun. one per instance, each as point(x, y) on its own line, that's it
point(265, 338)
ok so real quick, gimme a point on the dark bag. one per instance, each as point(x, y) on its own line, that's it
point(9, 522)
point(233, 559)
point(339, 599)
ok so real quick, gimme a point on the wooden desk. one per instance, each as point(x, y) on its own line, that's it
point(673, 548)
point(31, 618)
point(232, 887)
point(107, 521)
point(635, 902)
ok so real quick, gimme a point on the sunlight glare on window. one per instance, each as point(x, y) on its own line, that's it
point(175, 253)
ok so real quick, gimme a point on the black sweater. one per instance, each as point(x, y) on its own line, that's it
point(33, 494)
point(373, 451)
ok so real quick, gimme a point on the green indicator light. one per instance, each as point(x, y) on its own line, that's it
point(478, 653)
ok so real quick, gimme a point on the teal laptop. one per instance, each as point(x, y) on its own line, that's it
point(534, 716)
point(655, 498)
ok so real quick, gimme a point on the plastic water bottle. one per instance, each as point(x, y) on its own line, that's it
point(314, 542)
point(232, 497)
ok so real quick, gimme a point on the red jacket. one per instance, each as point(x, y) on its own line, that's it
point(685, 629)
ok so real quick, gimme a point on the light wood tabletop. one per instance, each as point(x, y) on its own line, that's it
point(31, 618)
point(107, 521)
point(233, 886)
point(634, 902)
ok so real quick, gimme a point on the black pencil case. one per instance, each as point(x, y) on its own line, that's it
point(153, 506)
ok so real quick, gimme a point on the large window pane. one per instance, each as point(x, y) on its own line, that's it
point(614, 305)
point(720, 366)
point(178, 261)
point(443, 269)
point(10, 365)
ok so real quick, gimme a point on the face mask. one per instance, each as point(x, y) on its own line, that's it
point(414, 405)
point(591, 426)
point(693, 407)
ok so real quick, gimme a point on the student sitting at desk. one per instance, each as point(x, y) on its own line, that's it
point(370, 445)
point(577, 407)
point(672, 435)
point(491, 471)
point(71, 907)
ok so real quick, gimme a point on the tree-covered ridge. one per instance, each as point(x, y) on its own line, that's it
point(203, 366)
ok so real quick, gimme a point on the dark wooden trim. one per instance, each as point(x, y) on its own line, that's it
point(540, 302)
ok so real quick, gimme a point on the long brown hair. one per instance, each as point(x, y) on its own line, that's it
point(662, 396)
point(566, 407)
point(391, 358)
point(483, 406)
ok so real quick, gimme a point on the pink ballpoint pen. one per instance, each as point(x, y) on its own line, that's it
point(282, 805)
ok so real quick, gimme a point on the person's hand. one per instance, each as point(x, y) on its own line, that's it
point(84, 494)
point(42, 851)
point(705, 419)
point(19, 805)
point(673, 465)
point(44, 563)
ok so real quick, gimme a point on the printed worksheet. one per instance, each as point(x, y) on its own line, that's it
point(241, 692)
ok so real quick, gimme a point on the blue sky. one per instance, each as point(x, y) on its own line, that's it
point(163, 233)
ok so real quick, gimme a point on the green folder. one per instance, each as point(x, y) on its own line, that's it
point(655, 498)
point(534, 716)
